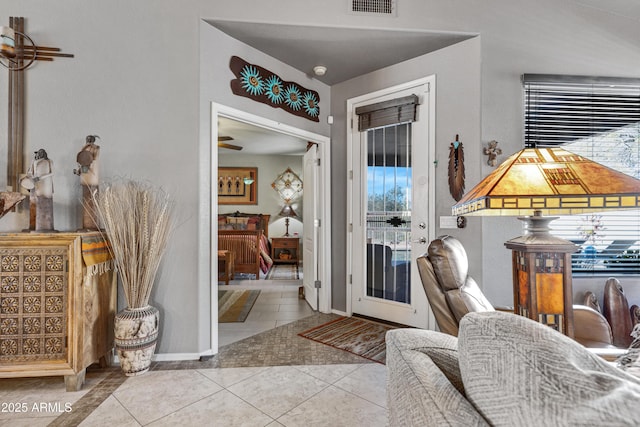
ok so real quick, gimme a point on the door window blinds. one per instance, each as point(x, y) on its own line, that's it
point(597, 118)
point(392, 112)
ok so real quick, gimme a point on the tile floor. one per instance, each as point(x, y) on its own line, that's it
point(281, 380)
point(277, 304)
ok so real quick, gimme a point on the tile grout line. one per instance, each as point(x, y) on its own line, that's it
point(108, 385)
point(98, 394)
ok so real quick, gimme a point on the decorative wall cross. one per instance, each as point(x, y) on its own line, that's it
point(17, 59)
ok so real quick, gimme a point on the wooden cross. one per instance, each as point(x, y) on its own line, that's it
point(26, 52)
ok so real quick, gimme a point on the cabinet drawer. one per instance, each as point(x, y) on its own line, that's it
point(286, 244)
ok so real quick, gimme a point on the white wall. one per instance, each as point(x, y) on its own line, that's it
point(145, 72)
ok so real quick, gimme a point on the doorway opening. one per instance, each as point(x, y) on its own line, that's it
point(316, 264)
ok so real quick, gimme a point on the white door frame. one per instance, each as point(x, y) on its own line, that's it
point(324, 243)
point(371, 97)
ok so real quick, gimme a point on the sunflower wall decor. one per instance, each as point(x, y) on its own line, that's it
point(262, 85)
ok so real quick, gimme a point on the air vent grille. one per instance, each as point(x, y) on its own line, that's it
point(386, 7)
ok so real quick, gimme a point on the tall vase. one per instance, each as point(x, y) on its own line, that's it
point(136, 334)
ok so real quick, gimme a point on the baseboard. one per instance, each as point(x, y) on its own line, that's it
point(174, 357)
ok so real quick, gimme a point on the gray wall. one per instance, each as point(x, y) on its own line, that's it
point(145, 72)
point(216, 50)
point(457, 71)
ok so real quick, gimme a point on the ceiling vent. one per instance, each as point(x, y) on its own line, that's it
point(384, 7)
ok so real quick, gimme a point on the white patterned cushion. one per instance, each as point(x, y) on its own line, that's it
point(518, 372)
point(630, 361)
point(419, 389)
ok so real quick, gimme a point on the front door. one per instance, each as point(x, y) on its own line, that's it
point(390, 216)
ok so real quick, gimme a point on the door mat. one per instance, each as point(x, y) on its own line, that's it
point(355, 335)
point(283, 272)
point(235, 305)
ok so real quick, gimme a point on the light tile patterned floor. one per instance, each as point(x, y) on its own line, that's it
point(277, 305)
point(274, 378)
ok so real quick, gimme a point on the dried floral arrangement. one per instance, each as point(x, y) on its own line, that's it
point(138, 220)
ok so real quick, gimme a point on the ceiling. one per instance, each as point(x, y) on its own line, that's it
point(346, 52)
point(627, 8)
point(257, 140)
point(303, 47)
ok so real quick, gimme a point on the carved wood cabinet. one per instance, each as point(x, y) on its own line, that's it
point(56, 308)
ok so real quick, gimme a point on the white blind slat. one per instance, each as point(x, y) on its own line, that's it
point(597, 118)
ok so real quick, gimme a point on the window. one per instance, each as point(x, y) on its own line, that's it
point(597, 118)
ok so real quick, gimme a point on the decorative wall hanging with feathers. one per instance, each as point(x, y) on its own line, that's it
point(456, 169)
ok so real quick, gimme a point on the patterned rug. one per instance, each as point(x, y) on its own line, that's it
point(235, 305)
point(358, 336)
point(283, 272)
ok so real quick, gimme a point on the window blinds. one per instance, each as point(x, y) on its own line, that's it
point(562, 109)
point(392, 112)
point(597, 118)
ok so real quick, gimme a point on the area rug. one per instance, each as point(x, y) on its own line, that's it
point(235, 305)
point(358, 336)
point(284, 272)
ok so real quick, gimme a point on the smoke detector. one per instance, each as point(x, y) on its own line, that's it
point(319, 70)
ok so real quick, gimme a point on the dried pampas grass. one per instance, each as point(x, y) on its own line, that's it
point(137, 218)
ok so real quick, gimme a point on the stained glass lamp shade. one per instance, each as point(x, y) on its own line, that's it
point(547, 181)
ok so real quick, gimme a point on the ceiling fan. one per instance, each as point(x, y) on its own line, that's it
point(223, 144)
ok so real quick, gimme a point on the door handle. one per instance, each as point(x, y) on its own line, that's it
point(422, 241)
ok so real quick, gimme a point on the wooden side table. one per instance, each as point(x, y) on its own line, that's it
point(225, 260)
point(281, 245)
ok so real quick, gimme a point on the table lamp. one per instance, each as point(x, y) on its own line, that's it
point(547, 181)
point(287, 212)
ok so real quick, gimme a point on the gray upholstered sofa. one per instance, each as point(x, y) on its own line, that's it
point(504, 369)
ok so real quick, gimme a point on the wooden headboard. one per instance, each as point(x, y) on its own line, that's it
point(262, 225)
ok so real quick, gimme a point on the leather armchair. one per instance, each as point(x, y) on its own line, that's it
point(452, 293)
point(591, 328)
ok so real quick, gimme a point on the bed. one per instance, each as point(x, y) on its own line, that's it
point(247, 236)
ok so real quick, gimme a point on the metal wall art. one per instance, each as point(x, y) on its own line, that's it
point(288, 185)
point(493, 152)
point(237, 186)
point(266, 87)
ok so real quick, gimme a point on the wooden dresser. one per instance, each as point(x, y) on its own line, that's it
point(57, 305)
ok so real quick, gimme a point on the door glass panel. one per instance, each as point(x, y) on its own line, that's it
point(388, 213)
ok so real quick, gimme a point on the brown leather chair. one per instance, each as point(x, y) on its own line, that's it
point(452, 293)
point(591, 329)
